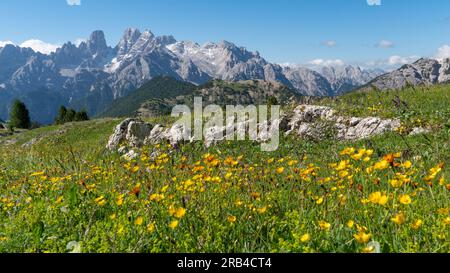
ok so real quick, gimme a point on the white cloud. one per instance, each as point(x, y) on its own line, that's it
point(391, 63)
point(330, 43)
point(322, 62)
point(40, 46)
point(3, 43)
point(385, 44)
point(374, 2)
point(443, 52)
point(74, 2)
point(79, 41)
point(399, 60)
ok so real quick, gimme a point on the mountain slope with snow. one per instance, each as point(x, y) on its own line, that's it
point(92, 75)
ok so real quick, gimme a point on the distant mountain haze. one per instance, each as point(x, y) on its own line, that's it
point(92, 75)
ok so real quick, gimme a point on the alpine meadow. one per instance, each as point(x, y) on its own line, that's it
point(93, 158)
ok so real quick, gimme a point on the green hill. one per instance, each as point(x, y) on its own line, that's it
point(160, 95)
point(158, 88)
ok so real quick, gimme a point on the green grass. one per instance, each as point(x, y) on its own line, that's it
point(67, 187)
point(415, 106)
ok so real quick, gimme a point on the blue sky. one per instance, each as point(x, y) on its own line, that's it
point(386, 32)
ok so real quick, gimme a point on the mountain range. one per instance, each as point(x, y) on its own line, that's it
point(92, 75)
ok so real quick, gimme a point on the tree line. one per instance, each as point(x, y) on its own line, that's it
point(19, 116)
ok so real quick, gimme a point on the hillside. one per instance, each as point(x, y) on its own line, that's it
point(420, 106)
point(160, 95)
point(158, 88)
point(58, 185)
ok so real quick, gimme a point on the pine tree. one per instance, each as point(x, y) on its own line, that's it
point(81, 116)
point(61, 117)
point(70, 116)
point(19, 117)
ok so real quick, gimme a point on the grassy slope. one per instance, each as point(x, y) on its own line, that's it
point(158, 88)
point(424, 106)
point(273, 210)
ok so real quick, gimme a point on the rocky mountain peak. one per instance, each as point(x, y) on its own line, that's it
point(129, 38)
point(226, 44)
point(165, 40)
point(96, 43)
point(422, 72)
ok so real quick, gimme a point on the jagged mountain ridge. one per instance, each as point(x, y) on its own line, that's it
point(92, 75)
point(422, 72)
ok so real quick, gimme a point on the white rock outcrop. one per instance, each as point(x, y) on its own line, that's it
point(312, 121)
point(306, 121)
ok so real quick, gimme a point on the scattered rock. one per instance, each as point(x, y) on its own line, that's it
point(31, 142)
point(131, 155)
point(129, 129)
point(122, 150)
point(136, 133)
point(156, 135)
point(306, 121)
point(10, 142)
point(177, 134)
point(418, 131)
point(315, 121)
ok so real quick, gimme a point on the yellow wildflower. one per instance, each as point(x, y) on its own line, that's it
point(180, 212)
point(262, 210)
point(324, 225)
point(157, 197)
point(396, 183)
point(139, 221)
point(368, 249)
point(305, 238)
point(348, 151)
point(399, 218)
point(350, 224)
point(151, 227)
point(174, 224)
point(59, 200)
point(378, 198)
point(417, 224)
point(405, 199)
point(381, 165)
point(319, 201)
point(446, 221)
point(362, 237)
point(407, 164)
point(119, 201)
point(101, 201)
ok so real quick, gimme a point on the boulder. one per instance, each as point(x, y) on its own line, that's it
point(132, 131)
point(418, 131)
point(177, 134)
point(157, 135)
point(119, 134)
point(315, 121)
point(137, 131)
point(131, 155)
